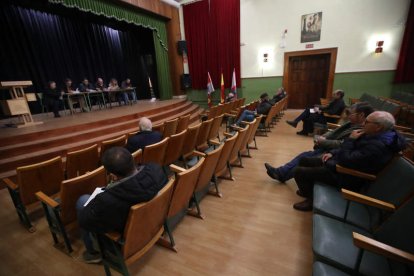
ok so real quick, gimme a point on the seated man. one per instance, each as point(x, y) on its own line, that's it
point(280, 94)
point(367, 150)
point(144, 137)
point(109, 210)
point(356, 114)
point(263, 108)
point(230, 98)
point(309, 117)
point(67, 88)
point(86, 86)
point(126, 84)
point(53, 98)
point(100, 85)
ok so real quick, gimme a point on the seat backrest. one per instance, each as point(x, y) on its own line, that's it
point(155, 153)
point(117, 142)
point(237, 145)
point(204, 132)
point(208, 168)
point(212, 112)
point(170, 127)
point(242, 101)
point(73, 188)
point(81, 161)
point(190, 140)
point(159, 128)
point(137, 155)
point(44, 176)
point(174, 148)
point(220, 110)
point(227, 107)
point(183, 123)
point(215, 127)
point(243, 145)
point(145, 223)
point(255, 126)
point(184, 188)
point(225, 154)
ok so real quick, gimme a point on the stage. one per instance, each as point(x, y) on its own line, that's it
point(56, 136)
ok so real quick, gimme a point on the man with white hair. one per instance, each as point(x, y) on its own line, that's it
point(144, 137)
point(368, 150)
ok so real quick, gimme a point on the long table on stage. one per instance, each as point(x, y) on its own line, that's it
point(104, 97)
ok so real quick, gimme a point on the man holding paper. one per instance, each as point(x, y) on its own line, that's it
point(108, 209)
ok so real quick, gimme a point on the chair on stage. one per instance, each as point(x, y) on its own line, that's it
point(174, 148)
point(223, 165)
point(117, 142)
point(204, 179)
point(61, 214)
point(189, 144)
point(144, 227)
point(45, 176)
point(215, 128)
point(235, 156)
point(170, 127)
point(82, 161)
point(202, 138)
point(183, 123)
point(155, 153)
point(185, 182)
point(137, 155)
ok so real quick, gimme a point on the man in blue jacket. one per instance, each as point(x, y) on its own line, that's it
point(367, 150)
point(109, 210)
point(144, 137)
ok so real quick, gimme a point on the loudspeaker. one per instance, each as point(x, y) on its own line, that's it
point(182, 46)
point(185, 81)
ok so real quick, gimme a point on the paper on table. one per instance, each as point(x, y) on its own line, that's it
point(93, 195)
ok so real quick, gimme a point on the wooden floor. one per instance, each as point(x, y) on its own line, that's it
point(252, 230)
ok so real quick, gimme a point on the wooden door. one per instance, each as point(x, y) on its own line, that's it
point(308, 76)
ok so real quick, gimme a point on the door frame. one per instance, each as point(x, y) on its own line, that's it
point(332, 65)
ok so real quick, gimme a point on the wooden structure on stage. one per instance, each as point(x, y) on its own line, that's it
point(57, 136)
point(17, 105)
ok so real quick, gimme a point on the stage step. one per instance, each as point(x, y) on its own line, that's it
point(30, 148)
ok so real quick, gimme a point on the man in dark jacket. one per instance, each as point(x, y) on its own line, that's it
point(109, 210)
point(144, 137)
point(367, 150)
point(356, 115)
point(263, 107)
point(315, 115)
point(53, 98)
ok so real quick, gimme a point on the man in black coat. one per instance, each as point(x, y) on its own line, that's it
point(144, 137)
point(53, 98)
point(311, 116)
point(367, 150)
point(109, 210)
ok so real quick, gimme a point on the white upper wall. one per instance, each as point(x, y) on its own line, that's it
point(354, 26)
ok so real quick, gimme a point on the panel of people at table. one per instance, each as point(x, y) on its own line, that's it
point(53, 97)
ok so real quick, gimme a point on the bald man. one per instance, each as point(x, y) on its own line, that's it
point(368, 150)
point(144, 137)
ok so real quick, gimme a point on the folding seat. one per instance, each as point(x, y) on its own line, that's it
point(137, 155)
point(190, 140)
point(61, 211)
point(235, 156)
point(202, 138)
point(183, 123)
point(223, 168)
point(170, 127)
point(117, 142)
point(174, 148)
point(155, 153)
point(215, 128)
point(82, 161)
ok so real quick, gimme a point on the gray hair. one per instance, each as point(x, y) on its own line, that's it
point(145, 124)
point(383, 118)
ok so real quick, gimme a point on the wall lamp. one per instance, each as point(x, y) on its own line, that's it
point(378, 50)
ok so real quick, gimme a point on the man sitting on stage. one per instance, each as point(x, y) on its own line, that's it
point(53, 98)
point(109, 210)
point(100, 85)
point(80, 98)
point(126, 84)
point(86, 86)
point(144, 137)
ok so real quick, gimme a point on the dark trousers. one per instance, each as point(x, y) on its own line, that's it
point(286, 171)
point(55, 105)
point(310, 170)
point(309, 119)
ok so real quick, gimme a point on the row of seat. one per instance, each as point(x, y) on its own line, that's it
point(368, 233)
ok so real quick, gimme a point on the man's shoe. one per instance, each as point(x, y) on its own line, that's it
point(299, 193)
point(92, 258)
point(292, 123)
point(304, 133)
point(273, 173)
point(304, 206)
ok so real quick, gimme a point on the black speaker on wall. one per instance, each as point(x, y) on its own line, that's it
point(185, 81)
point(182, 46)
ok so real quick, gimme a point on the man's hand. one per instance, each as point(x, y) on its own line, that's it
point(326, 157)
point(318, 139)
point(356, 134)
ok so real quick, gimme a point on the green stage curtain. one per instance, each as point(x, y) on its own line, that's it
point(121, 13)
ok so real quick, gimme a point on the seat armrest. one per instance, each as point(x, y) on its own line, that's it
point(356, 173)
point(383, 249)
point(236, 127)
point(228, 135)
point(215, 143)
point(176, 168)
point(10, 184)
point(199, 153)
point(331, 115)
point(402, 128)
point(47, 200)
point(332, 126)
point(115, 236)
point(349, 195)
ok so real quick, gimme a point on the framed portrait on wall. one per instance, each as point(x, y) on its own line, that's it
point(311, 26)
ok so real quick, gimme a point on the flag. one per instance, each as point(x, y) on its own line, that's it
point(210, 89)
point(222, 95)
point(233, 84)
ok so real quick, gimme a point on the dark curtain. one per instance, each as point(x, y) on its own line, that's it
point(42, 46)
point(405, 66)
point(212, 30)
